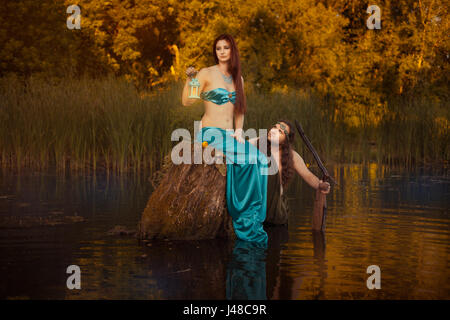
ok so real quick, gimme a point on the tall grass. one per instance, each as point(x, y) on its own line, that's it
point(414, 131)
point(91, 124)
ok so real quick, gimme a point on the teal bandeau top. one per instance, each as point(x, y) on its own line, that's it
point(219, 96)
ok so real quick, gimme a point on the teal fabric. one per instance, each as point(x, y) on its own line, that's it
point(246, 192)
point(219, 96)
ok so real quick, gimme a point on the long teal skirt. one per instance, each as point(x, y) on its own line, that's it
point(246, 182)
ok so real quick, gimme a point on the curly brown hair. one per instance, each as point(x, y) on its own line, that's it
point(287, 161)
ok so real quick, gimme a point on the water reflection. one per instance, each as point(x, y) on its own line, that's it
point(253, 272)
point(278, 236)
point(396, 219)
point(188, 269)
point(318, 239)
point(246, 272)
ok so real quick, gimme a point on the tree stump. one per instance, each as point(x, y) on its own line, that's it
point(188, 203)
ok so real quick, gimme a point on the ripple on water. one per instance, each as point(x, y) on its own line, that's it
point(396, 220)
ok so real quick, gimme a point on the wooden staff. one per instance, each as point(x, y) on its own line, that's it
point(320, 203)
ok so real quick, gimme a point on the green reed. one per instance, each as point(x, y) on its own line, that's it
point(415, 130)
point(91, 124)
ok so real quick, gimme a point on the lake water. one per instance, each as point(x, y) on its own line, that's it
point(396, 219)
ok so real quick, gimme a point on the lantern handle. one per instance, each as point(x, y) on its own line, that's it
point(191, 73)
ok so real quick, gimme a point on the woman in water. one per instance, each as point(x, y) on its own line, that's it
point(280, 139)
point(222, 89)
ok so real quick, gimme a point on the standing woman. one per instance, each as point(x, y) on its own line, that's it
point(222, 89)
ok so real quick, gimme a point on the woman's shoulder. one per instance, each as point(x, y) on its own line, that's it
point(204, 70)
point(209, 69)
point(204, 75)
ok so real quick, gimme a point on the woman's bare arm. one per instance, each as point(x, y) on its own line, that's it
point(202, 77)
point(308, 176)
point(253, 141)
point(239, 121)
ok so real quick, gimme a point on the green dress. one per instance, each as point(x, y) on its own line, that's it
point(277, 203)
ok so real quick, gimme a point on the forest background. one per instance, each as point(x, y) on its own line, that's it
point(109, 94)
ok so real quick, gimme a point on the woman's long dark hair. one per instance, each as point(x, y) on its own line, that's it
point(234, 67)
point(287, 160)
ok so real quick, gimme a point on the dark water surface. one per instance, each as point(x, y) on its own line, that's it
point(393, 218)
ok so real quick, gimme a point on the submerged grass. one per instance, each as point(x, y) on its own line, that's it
point(92, 124)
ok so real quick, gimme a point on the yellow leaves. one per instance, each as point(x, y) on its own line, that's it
point(152, 71)
point(130, 55)
point(291, 42)
point(128, 77)
point(113, 63)
point(279, 88)
point(443, 125)
point(156, 32)
point(100, 37)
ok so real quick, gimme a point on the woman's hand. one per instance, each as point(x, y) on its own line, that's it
point(191, 72)
point(324, 187)
point(238, 136)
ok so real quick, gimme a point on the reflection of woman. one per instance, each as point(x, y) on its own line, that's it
point(279, 147)
point(222, 89)
point(253, 272)
point(246, 272)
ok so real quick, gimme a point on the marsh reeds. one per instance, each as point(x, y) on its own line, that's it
point(106, 124)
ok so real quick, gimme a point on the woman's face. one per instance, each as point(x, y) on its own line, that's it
point(277, 133)
point(223, 50)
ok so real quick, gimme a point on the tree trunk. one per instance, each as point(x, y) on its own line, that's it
point(188, 203)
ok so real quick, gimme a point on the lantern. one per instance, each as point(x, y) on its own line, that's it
point(194, 86)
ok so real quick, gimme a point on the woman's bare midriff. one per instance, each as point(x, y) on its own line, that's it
point(218, 116)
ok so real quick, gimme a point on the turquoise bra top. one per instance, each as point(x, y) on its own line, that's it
point(219, 96)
